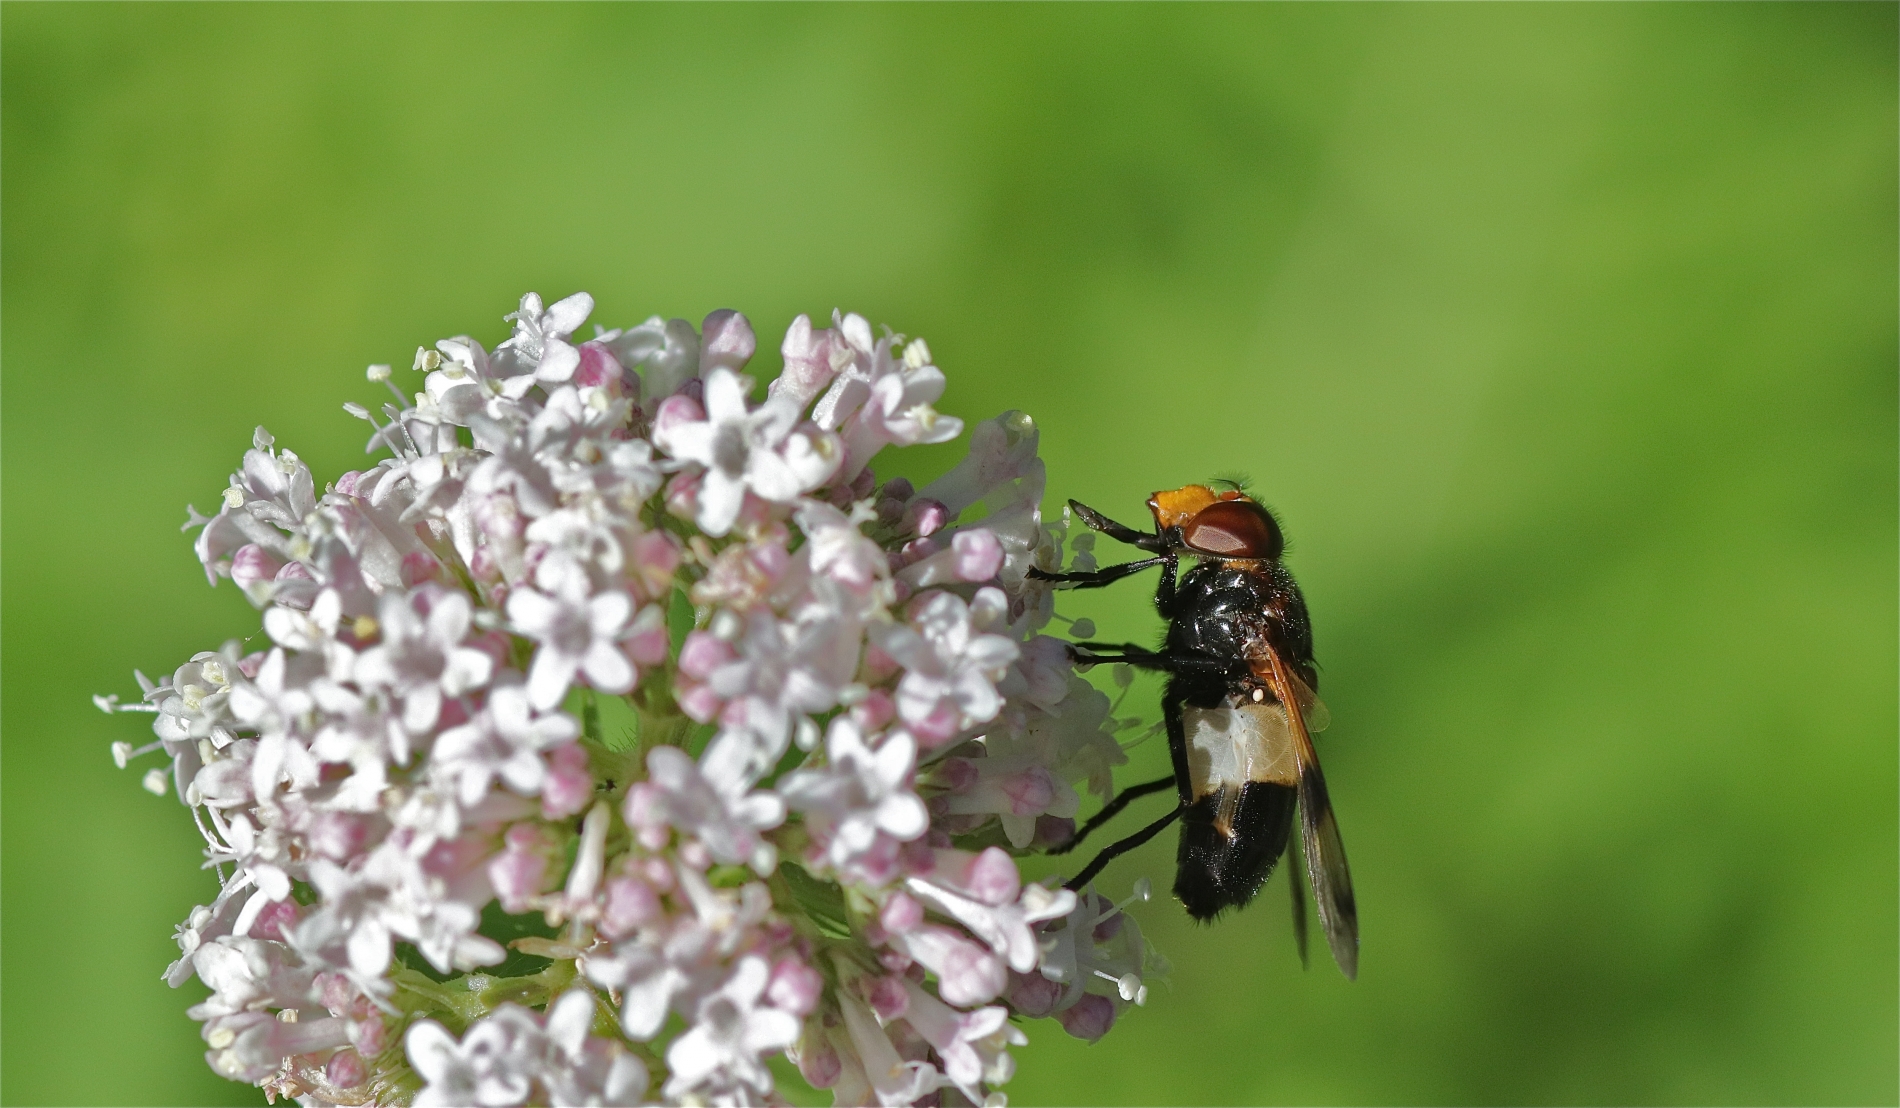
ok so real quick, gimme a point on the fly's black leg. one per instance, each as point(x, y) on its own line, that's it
point(1120, 532)
point(1095, 578)
point(1097, 653)
point(1116, 850)
point(1171, 703)
point(1111, 810)
point(1164, 592)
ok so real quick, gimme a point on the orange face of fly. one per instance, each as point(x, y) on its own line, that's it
point(1218, 524)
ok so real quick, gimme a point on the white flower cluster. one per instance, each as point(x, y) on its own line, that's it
point(444, 883)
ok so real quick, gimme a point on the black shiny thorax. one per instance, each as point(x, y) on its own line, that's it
point(1227, 610)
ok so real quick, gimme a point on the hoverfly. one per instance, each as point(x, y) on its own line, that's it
point(1240, 710)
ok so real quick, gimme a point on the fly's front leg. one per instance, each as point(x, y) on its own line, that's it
point(1167, 661)
point(1120, 532)
point(1164, 592)
point(1094, 578)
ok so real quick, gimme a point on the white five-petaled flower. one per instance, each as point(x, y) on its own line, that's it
point(540, 338)
point(578, 630)
point(716, 808)
point(730, 1032)
point(862, 795)
point(951, 662)
point(747, 449)
point(421, 657)
point(505, 741)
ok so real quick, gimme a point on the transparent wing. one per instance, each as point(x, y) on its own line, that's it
point(1312, 708)
point(1326, 869)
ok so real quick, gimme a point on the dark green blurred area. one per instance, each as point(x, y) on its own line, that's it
point(1563, 337)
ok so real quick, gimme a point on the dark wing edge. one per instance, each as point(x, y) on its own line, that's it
point(1326, 868)
point(1295, 877)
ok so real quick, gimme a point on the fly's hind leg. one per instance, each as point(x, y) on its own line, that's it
point(1115, 850)
point(1112, 809)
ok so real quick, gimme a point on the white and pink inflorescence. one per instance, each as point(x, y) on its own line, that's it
point(444, 882)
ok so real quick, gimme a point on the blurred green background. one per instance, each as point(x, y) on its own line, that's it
point(1564, 338)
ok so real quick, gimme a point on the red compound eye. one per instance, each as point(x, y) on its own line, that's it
point(1233, 529)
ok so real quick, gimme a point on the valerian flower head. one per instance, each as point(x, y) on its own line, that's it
point(605, 664)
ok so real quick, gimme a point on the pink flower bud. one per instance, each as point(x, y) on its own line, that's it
point(991, 877)
point(675, 411)
point(568, 786)
point(346, 484)
point(703, 653)
point(335, 992)
point(296, 587)
point(794, 987)
point(520, 871)
point(656, 556)
point(924, 518)
point(1032, 994)
point(1052, 831)
point(818, 1062)
point(419, 566)
point(874, 711)
point(345, 1069)
point(916, 550)
point(700, 703)
point(726, 339)
point(878, 666)
point(276, 921)
point(682, 495)
point(252, 564)
point(937, 727)
point(968, 974)
point(482, 565)
point(1088, 1018)
point(500, 517)
point(658, 874)
point(599, 369)
point(631, 904)
point(955, 774)
point(888, 998)
point(645, 812)
point(1030, 791)
point(337, 835)
point(979, 554)
point(901, 913)
point(369, 1033)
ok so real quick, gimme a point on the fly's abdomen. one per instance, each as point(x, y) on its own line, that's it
point(1222, 862)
